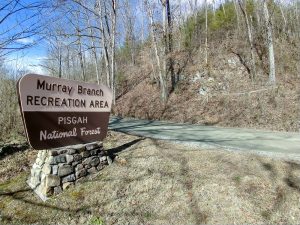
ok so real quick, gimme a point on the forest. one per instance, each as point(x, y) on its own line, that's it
point(232, 63)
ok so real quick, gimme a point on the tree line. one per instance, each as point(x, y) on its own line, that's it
point(91, 40)
point(99, 33)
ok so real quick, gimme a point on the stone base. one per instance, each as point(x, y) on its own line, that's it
point(58, 169)
point(37, 191)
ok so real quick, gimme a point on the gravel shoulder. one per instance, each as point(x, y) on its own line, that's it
point(160, 182)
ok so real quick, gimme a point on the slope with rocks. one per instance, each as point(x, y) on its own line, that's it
point(221, 94)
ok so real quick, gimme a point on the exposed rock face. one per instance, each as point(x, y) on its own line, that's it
point(58, 169)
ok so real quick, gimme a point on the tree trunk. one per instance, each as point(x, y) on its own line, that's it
point(272, 76)
point(223, 8)
point(104, 44)
point(162, 76)
point(113, 83)
point(206, 34)
point(94, 52)
point(169, 46)
point(284, 19)
point(237, 14)
point(250, 40)
point(60, 62)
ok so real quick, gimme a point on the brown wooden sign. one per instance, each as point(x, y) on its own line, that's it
point(58, 112)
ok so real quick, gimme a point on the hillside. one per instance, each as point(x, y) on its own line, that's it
point(221, 95)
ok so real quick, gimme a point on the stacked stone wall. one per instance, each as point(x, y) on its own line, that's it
point(58, 169)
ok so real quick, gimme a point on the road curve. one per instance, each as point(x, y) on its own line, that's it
point(230, 138)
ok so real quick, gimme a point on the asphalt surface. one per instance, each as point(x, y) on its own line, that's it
point(228, 138)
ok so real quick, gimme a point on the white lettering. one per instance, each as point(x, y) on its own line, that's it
point(44, 135)
point(72, 120)
point(85, 132)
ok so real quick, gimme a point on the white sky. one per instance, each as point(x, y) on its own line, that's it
point(20, 61)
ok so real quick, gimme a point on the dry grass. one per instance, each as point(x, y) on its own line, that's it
point(156, 182)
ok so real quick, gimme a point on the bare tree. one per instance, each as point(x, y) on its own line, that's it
point(93, 46)
point(129, 27)
point(161, 71)
point(242, 5)
point(113, 44)
point(206, 34)
point(272, 76)
point(168, 41)
point(104, 41)
point(237, 13)
point(17, 34)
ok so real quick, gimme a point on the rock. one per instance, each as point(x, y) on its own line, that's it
point(62, 151)
point(67, 185)
point(52, 153)
point(81, 173)
point(94, 152)
point(71, 151)
point(92, 170)
point(43, 176)
point(103, 159)
point(101, 153)
point(79, 147)
point(52, 180)
point(91, 146)
point(36, 172)
point(46, 190)
point(100, 144)
point(95, 161)
point(57, 190)
point(68, 178)
point(51, 160)
point(77, 157)
point(60, 159)
point(34, 181)
point(55, 169)
point(69, 159)
point(87, 166)
point(64, 170)
point(40, 161)
point(46, 169)
point(85, 154)
point(43, 155)
point(36, 167)
point(87, 161)
point(100, 167)
point(109, 160)
point(79, 167)
point(75, 163)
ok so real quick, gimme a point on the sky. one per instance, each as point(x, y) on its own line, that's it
point(31, 58)
point(27, 59)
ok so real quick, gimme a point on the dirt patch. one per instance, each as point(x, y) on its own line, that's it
point(156, 182)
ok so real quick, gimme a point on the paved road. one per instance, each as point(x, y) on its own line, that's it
point(229, 138)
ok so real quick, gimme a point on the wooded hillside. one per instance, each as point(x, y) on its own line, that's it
point(226, 63)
